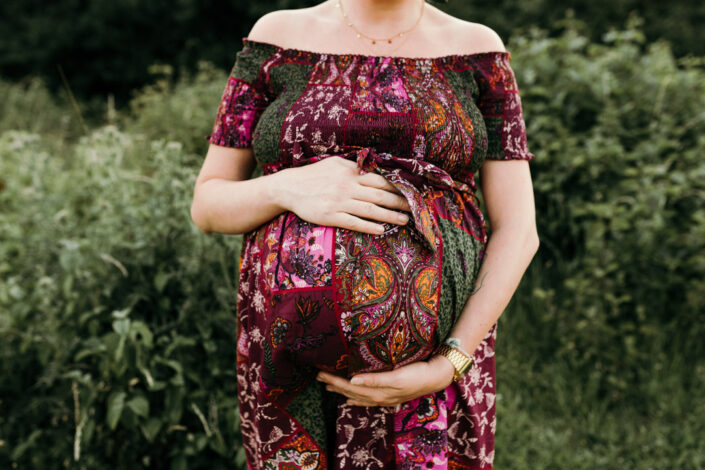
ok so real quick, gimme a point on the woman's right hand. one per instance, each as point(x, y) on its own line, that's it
point(332, 192)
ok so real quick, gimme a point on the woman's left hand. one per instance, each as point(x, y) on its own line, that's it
point(394, 387)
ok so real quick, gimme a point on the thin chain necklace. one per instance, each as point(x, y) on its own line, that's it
point(373, 39)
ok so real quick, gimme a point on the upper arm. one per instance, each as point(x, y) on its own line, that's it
point(508, 194)
point(226, 163)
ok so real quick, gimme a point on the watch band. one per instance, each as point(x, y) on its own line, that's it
point(455, 343)
point(460, 361)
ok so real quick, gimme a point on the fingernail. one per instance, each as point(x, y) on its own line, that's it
point(403, 218)
point(356, 381)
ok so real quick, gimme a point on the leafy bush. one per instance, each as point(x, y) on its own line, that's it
point(117, 313)
point(619, 136)
point(183, 111)
point(29, 106)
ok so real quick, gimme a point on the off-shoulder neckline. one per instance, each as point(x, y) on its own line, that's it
point(316, 54)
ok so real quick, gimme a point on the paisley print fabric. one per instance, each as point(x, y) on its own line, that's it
point(316, 297)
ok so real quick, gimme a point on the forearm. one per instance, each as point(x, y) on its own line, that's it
point(509, 252)
point(235, 207)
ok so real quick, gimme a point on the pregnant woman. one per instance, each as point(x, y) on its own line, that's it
point(369, 288)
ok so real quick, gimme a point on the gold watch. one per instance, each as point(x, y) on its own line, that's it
point(460, 361)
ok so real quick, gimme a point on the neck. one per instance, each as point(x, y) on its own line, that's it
point(376, 15)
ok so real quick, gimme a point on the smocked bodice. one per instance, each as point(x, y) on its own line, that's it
point(453, 111)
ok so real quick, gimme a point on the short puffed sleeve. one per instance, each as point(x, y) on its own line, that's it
point(244, 99)
point(500, 105)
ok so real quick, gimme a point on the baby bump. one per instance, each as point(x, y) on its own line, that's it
point(345, 301)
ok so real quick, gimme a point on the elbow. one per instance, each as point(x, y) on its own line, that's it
point(533, 240)
point(199, 219)
point(525, 236)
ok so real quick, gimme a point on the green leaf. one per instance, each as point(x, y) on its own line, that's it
point(22, 446)
point(178, 378)
point(174, 404)
point(121, 314)
point(161, 279)
point(122, 326)
point(151, 428)
point(140, 333)
point(116, 403)
point(120, 349)
point(240, 458)
point(139, 405)
point(91, 346)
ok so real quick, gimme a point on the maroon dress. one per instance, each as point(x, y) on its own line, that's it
point(314, 297)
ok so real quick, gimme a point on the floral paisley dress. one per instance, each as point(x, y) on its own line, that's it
point(316, 298)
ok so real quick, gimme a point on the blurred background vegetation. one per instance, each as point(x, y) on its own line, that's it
point(117, 315)
point(107, 46)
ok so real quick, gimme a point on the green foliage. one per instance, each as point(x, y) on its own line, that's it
point(183, 111)
point(117, 313)
point(619, 132)
point(679, 23)
point(29, 106)
point(547, 420)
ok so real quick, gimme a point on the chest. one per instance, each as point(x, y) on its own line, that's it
point(412, 109)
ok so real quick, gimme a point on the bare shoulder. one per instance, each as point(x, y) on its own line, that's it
point(279, 26)
point(484, 37)
point(467, 37)
point(472, 38)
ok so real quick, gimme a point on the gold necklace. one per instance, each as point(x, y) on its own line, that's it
point(373, 39)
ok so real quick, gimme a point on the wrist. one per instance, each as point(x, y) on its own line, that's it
point(277, 189)
point(445, 368)
point(451, 350)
